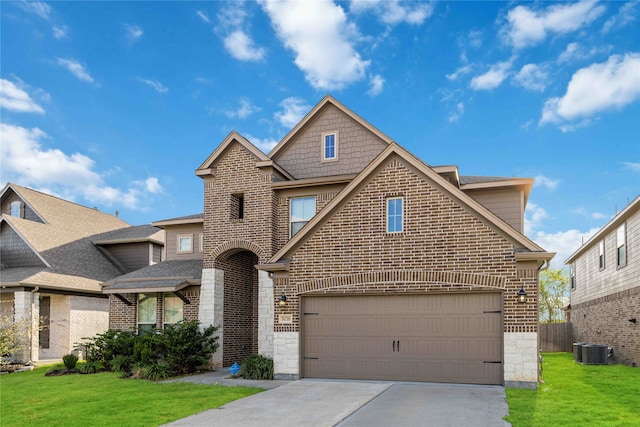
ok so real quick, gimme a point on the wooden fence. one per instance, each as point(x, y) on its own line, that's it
point(556, 337)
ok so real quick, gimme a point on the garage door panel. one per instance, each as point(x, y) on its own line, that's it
point(442, 338)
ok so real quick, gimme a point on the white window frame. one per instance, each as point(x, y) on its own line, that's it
point(572, 276)
point(178, 240)
point(155, 306)
point(17, 209)
point(621, 243)
point(304, 222)
point(323, 147)
point(601, 257)
point(201, 238)
point(388, 215)
point(171, 296)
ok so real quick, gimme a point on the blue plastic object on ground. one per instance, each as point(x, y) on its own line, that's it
point(234, 369)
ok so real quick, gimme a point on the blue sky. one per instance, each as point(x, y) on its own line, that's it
point(115, 104)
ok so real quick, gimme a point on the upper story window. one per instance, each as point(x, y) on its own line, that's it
point(572, 275)
point(146, 312)
point(329, 146)
point(172, 309)
point(237, 206)
point(621, 245)
point(395, 215)
point(185, 243)
point(601, 254)
point(302, 210)
point(17, 209)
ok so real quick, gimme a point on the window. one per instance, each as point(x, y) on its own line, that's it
point(302, 210)
point(172, 310)
point(621, 245)
point(201, 242)
point(601, 254)
point(45, 322)
point(146, 312)
point(185, 243)
point(330, 146)
point(572, 275)
point(394, 215)
point(17, 209)
point(237, 206)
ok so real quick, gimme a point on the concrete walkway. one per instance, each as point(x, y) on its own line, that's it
point(353, 403)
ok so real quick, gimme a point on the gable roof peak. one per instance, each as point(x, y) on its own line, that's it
point(233, 136)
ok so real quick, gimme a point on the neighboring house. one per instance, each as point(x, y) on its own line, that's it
point(605, 287)
point(166, 292)
point(54, 254)
point(342, 255)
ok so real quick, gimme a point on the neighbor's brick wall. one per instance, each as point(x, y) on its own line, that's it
point(124, 317)
point(610, 315)
point(357, 147)
point(240, 315)
point(235, 172)
point(439, 236)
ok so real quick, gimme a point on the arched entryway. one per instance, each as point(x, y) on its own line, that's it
point(240, 310)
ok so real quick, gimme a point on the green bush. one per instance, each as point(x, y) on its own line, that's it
point(90, 367)
point(257, 367)
point(121, 363)
point(186, 347)
point(70, 361)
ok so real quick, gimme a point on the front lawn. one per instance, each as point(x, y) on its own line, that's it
point(580, 395)
point(31, 399)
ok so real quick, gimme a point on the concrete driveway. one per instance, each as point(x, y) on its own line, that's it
point(361, 403)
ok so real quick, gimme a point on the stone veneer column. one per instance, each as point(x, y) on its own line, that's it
point(265, 314)
point(286, 355)
point(27, 306)
point(521, 359)
point(212, 306)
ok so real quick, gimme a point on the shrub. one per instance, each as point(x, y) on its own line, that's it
point(185, 347)
point(90, 367)
point(121, 363)
point(70, 361)
point(257, 367)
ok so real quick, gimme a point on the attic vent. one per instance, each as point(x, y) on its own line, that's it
point(17, 209)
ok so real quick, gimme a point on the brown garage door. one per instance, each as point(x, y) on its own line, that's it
point(454, 338)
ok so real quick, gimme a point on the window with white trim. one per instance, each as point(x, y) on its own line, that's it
point(329, 146)
point(172, 310)
point(185, 243)
point(146, 312)
point(201, 242)
point(302, 209)
point(17, 209)
point(601, 254)
point(621, 245)
point(395, 215)
point(572, 275)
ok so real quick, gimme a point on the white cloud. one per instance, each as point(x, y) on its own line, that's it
point(394, 12)
point(25, 161)
point(626, 15)
point(575, 52)
point(152, 185)
point(76, 69)
point(41, 9)
point(635, 167)
point(156, 85)
point(293, 110)
point(599, 87)
point(242, 47)
point(544, 181)
point(203, 15)
point(528, 27)
point(532, 77)
point(599, 215)
point(455, 115)
point(245, 109)
point(324, 48)
point(14, 98)
point(465, 69)
point(492, 78)
point(60, 32)
point(563, 243)
point(133, 32)
point(376, 85)
point(533, 217)
point(264, 144)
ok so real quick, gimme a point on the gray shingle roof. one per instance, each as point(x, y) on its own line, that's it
point(137, 232)
point(170, 275)
point(180, 218)
point(469, 179)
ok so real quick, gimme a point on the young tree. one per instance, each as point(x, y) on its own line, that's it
point(12, 335)
point(554, 295)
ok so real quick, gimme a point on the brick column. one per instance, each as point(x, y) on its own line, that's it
point(212, 306)
point(265, 314)
point(521, 359)
point(286, 355)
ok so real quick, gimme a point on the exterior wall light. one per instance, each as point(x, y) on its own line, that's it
point(633, 320)
point(283, 300)
point(522, 296)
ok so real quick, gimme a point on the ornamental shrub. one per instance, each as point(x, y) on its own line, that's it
point(70, 361)
point(257, 367)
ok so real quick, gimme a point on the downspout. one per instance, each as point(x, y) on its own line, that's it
point(33, 292)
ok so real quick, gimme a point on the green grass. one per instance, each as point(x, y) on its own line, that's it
point(578, 395)
point(31, 399)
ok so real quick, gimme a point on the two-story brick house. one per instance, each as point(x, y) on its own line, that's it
point(605, 286)
point(342, 255)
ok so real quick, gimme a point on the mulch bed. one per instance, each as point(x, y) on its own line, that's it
point(11, 367)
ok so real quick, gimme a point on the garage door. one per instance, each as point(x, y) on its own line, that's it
point(453, 338)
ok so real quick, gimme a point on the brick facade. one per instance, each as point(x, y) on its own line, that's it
point(605, 321)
